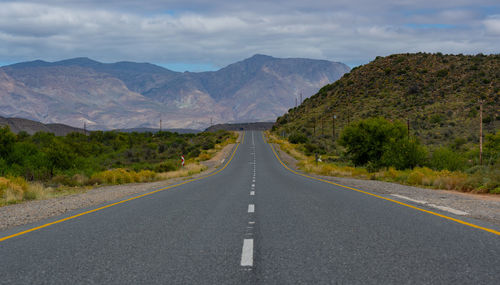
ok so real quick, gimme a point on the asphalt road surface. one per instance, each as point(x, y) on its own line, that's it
point(254, 222)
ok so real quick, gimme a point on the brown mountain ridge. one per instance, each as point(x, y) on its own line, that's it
point(129, 95)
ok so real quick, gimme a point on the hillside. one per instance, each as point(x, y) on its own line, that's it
point(136, 95)
point(17, 125)
point(437, 93)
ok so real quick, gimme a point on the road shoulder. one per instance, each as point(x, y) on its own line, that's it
point(478, 206)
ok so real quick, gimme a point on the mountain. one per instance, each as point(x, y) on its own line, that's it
point(137, 95)
point(439, 95)
point(17, 125)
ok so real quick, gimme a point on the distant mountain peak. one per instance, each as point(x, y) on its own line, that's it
point(80, 61)
point(261, 56)
point(34, 63)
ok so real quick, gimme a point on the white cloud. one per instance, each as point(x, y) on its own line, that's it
point(220, 32)
point(492, 25)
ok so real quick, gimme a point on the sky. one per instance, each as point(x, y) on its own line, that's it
point(198, 35)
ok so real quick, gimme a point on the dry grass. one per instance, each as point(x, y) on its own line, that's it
point(286, 147)
point(122, 176)
point(16, 189)
point(187, 170)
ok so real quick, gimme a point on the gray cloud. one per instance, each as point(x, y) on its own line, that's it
point(220, 32)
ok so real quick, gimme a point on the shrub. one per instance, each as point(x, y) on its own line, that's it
point(166, 166)
point(404, 154)
point(13, 188)
point(445, 158)
point(366, 140)
point(296, 138)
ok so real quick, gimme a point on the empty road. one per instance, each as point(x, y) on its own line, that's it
point(254, 222)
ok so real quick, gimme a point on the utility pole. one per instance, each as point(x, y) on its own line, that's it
point(301, 98)
point(480, 132)
point(295, 101)
point(210, 121)
point(84, 128)
point(408, 125)
point(321, 121)
point(333, 127)
point(160, 124)
point(314, 125)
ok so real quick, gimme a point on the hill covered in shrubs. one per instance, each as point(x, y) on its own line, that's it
point(405, 111)
point(438, 94)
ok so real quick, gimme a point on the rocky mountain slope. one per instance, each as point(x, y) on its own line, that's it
point(438, 94)
point(128, 95)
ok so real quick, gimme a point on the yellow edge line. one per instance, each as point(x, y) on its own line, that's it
point(384, 198)
point(123, 201)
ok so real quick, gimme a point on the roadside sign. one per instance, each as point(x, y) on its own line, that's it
point(182, 160)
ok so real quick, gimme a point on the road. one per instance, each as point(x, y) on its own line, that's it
point(254, 222)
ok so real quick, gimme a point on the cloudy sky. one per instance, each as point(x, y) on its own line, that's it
point(206, 35)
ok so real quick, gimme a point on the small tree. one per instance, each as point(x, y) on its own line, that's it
point(7, 141)
point(367, 140)
point(404, 153)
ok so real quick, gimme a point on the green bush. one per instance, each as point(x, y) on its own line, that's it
point(404, 154)
point(445, 158)
point(296, 138)
point(367, 140)
point(57, 160)
point(167, 166)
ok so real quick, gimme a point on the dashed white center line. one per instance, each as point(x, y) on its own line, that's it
point(252, 193)
point(253, 185)
point(247, 253)
point(251, 208)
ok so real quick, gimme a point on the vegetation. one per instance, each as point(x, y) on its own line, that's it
point(440, 108)
point(476, 179)
point(42, 165)
point(413, 118)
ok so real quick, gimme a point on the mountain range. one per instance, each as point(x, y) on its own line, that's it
point(138, 95)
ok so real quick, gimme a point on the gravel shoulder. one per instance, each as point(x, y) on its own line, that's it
point(478, 206)
point(33, 211)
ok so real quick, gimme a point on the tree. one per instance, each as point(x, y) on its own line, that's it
point(367, 140)
point(7, 141)
point(492, 148)
point(404, 153)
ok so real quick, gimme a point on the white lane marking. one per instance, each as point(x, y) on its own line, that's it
point(409, 199)
point(252, 193)
point(251, 223)
point(251, 208)
point(253, 180)
point(448, 209)
point(247, 253)
point(442, 208)
point(253, 185)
